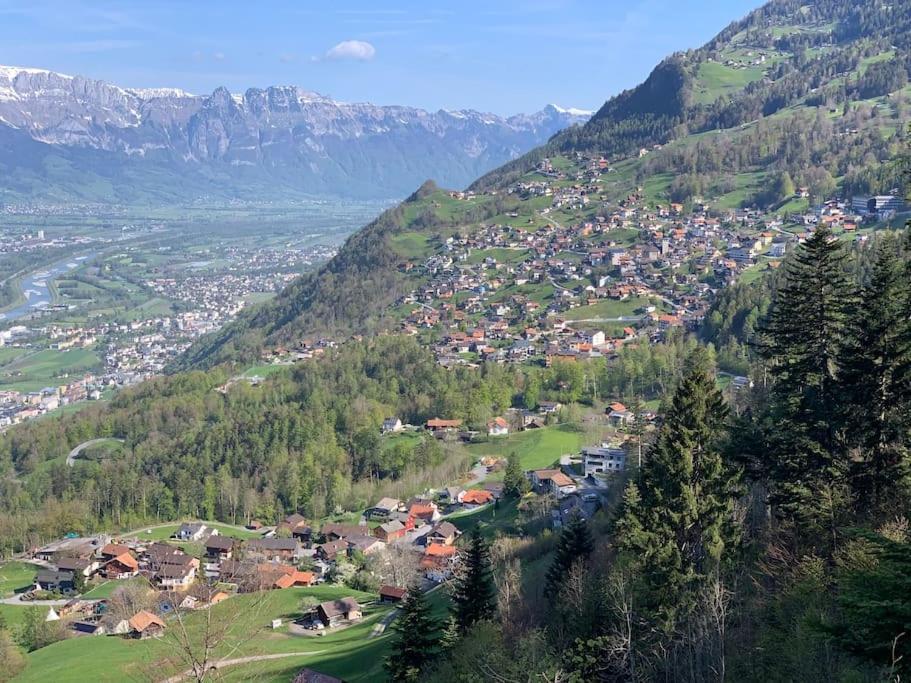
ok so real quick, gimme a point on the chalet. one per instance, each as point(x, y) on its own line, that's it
point(364, 544)
point(293, 523)
point(146, 625)
point(618, 415)
point(437, 424)
point(553, 481)
point(273, 548)
point(158, 554)
point(333, 531)
point(383, 509)
point(80, 565)
point(177, 576)
point(476, 497)
point(193, 532)
point(392, 593)
point(296, 578)
point(423, 512)
point(220, 547)
point(392, 425)
point(444, 533)
point(112, 550)
point(334, 612)
point(497, 427)
point(123, 566)
point(390, 531)
point(549, 407)
point(330, 550)
point(54, 580)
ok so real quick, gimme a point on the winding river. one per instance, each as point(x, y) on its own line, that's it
point(36, 287)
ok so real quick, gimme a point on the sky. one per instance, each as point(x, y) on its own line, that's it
point(498, 56)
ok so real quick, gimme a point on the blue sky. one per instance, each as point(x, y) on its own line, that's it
point(493, 55)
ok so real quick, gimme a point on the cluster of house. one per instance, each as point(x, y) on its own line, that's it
point(16, 406)
point(670, 257)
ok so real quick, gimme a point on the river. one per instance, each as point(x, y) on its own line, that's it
point(36, 287)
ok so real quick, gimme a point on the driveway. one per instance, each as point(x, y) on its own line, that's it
point(71, 458)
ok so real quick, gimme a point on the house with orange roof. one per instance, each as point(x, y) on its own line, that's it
point(476, 497)
point(553, 481)
point(123, 566)
point(144, 624)
point(498, 427)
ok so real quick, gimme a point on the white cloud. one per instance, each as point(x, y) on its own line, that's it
point(359, 50)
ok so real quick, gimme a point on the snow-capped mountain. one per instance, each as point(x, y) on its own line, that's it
point(280, 137)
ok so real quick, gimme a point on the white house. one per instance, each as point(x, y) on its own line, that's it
point(603, 459)
point(497, 427)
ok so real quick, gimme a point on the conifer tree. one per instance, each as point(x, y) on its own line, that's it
point(802, 342)
point(416, 638)
point(515, 483)
point(576, 545)
point(874, 381)
point(473, 590)
point(677, 521)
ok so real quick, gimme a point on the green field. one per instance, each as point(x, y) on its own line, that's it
point(16, 576)
point(412, 245)
point(715, 80)
point(349, 653)
point(537, 448)
point(611, 308)
point(162, 533)
point(47, 368)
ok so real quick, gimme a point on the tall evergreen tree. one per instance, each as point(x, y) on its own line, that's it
point(415, 644)
point(875, 383)
point(677, 521)
point(515, 483)
point(802, 342)
point(576, 545)
point(473, 590)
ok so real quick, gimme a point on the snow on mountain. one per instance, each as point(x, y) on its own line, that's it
point(280, 130)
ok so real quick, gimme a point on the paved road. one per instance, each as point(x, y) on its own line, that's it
point(71, 458)
point(19, 602)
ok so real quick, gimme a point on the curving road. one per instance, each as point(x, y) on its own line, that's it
point(71, 458)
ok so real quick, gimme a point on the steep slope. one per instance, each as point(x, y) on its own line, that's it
point(268, 141)
point(785, 54)
point(809, 94)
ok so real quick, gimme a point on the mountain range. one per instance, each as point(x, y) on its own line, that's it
point(73, 138)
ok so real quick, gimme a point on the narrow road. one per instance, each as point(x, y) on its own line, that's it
point(71, 458)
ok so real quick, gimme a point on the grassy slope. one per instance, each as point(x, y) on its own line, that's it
point(347, 652)
point(537, 448)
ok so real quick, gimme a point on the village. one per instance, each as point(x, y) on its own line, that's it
point(399, 543)
point(583, 287)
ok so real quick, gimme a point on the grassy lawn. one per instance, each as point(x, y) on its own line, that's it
point(15, 576)
point(537, 448)
point(715, 80)
point(490, 519)
point(46, 368)
point(162, 533)
point(266, 370)
point(347, 653)
point(411, 245)
point(501, 255)
point(610, 308)
point(107, 588)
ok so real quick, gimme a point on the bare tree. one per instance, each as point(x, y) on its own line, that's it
point(396, 565)
point(197, 641)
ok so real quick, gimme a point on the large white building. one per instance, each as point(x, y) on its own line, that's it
point(603, 459)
